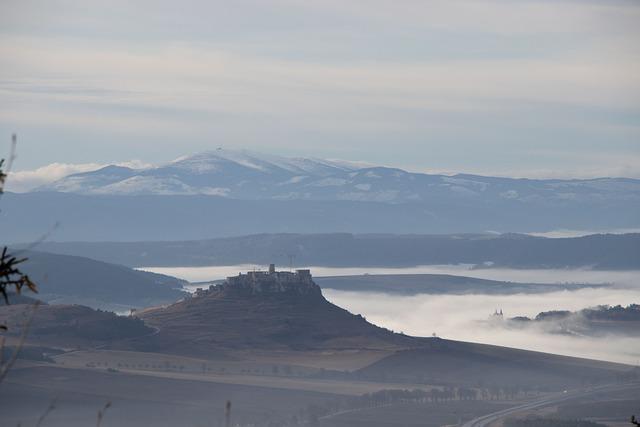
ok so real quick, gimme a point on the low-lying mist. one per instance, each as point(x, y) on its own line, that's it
point(466, 318)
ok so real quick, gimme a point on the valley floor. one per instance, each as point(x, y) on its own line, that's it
point(266, 389)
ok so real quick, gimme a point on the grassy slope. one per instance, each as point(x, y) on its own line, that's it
point(475, 364)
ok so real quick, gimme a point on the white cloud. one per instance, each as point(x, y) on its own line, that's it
point(560, 233)
point(381, 79)
point(27, 180)
point(22, 181)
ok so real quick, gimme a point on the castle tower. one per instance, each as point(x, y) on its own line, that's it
point(272, 268)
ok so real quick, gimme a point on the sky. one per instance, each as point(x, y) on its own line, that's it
point(527, 88)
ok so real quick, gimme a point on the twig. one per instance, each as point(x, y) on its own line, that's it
point(12, 153)
point(10, 275)
point(12, 157)
point(227, 414)
point(43, 237)
point(50, 408)
point(102, 412)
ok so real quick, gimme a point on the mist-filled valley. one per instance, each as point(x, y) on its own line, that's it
point(275, 213)
point(470, 318)
point(468, 314)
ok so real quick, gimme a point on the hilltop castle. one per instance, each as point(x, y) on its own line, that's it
point(271, 281)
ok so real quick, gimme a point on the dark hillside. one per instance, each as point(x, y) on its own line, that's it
point(71, 325)
point(73, 279)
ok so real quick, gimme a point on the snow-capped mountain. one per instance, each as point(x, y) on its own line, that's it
point(240, 174)
point(255, 176)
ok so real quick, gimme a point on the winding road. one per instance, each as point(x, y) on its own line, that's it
point(485, 420)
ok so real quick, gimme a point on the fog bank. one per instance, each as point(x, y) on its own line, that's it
point(464, 317)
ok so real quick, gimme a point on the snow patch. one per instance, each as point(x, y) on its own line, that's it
point(146, 185)
point(295, 179)
point(510, 194)
point(215, 191)
point(330, 182)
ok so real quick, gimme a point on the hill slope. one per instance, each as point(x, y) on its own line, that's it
point(74, 279)
point(474, 364)
point(71, 326)
point(277, 311)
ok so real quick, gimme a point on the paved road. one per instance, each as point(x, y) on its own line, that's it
point(485, 420)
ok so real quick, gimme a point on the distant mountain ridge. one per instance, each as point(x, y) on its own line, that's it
point(256, 176)
point(227, 193)
point(601, 251)
point(238, 174)
point(27, 216)
point(416, 284)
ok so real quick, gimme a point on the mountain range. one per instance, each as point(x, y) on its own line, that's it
point(600, 251)
point(230, 193)
point(249, 175)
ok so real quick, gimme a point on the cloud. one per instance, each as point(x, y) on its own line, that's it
point(27, 180)
point(578, 233)
point(22, 181)
point(379, 81)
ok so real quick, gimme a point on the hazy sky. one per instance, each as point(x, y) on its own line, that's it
point(517, 87)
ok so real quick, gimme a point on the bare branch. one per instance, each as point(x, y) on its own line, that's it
point(102, 412)
point(50, 408)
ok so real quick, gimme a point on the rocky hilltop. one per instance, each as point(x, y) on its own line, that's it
point(299, 282)
point(274, 310)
